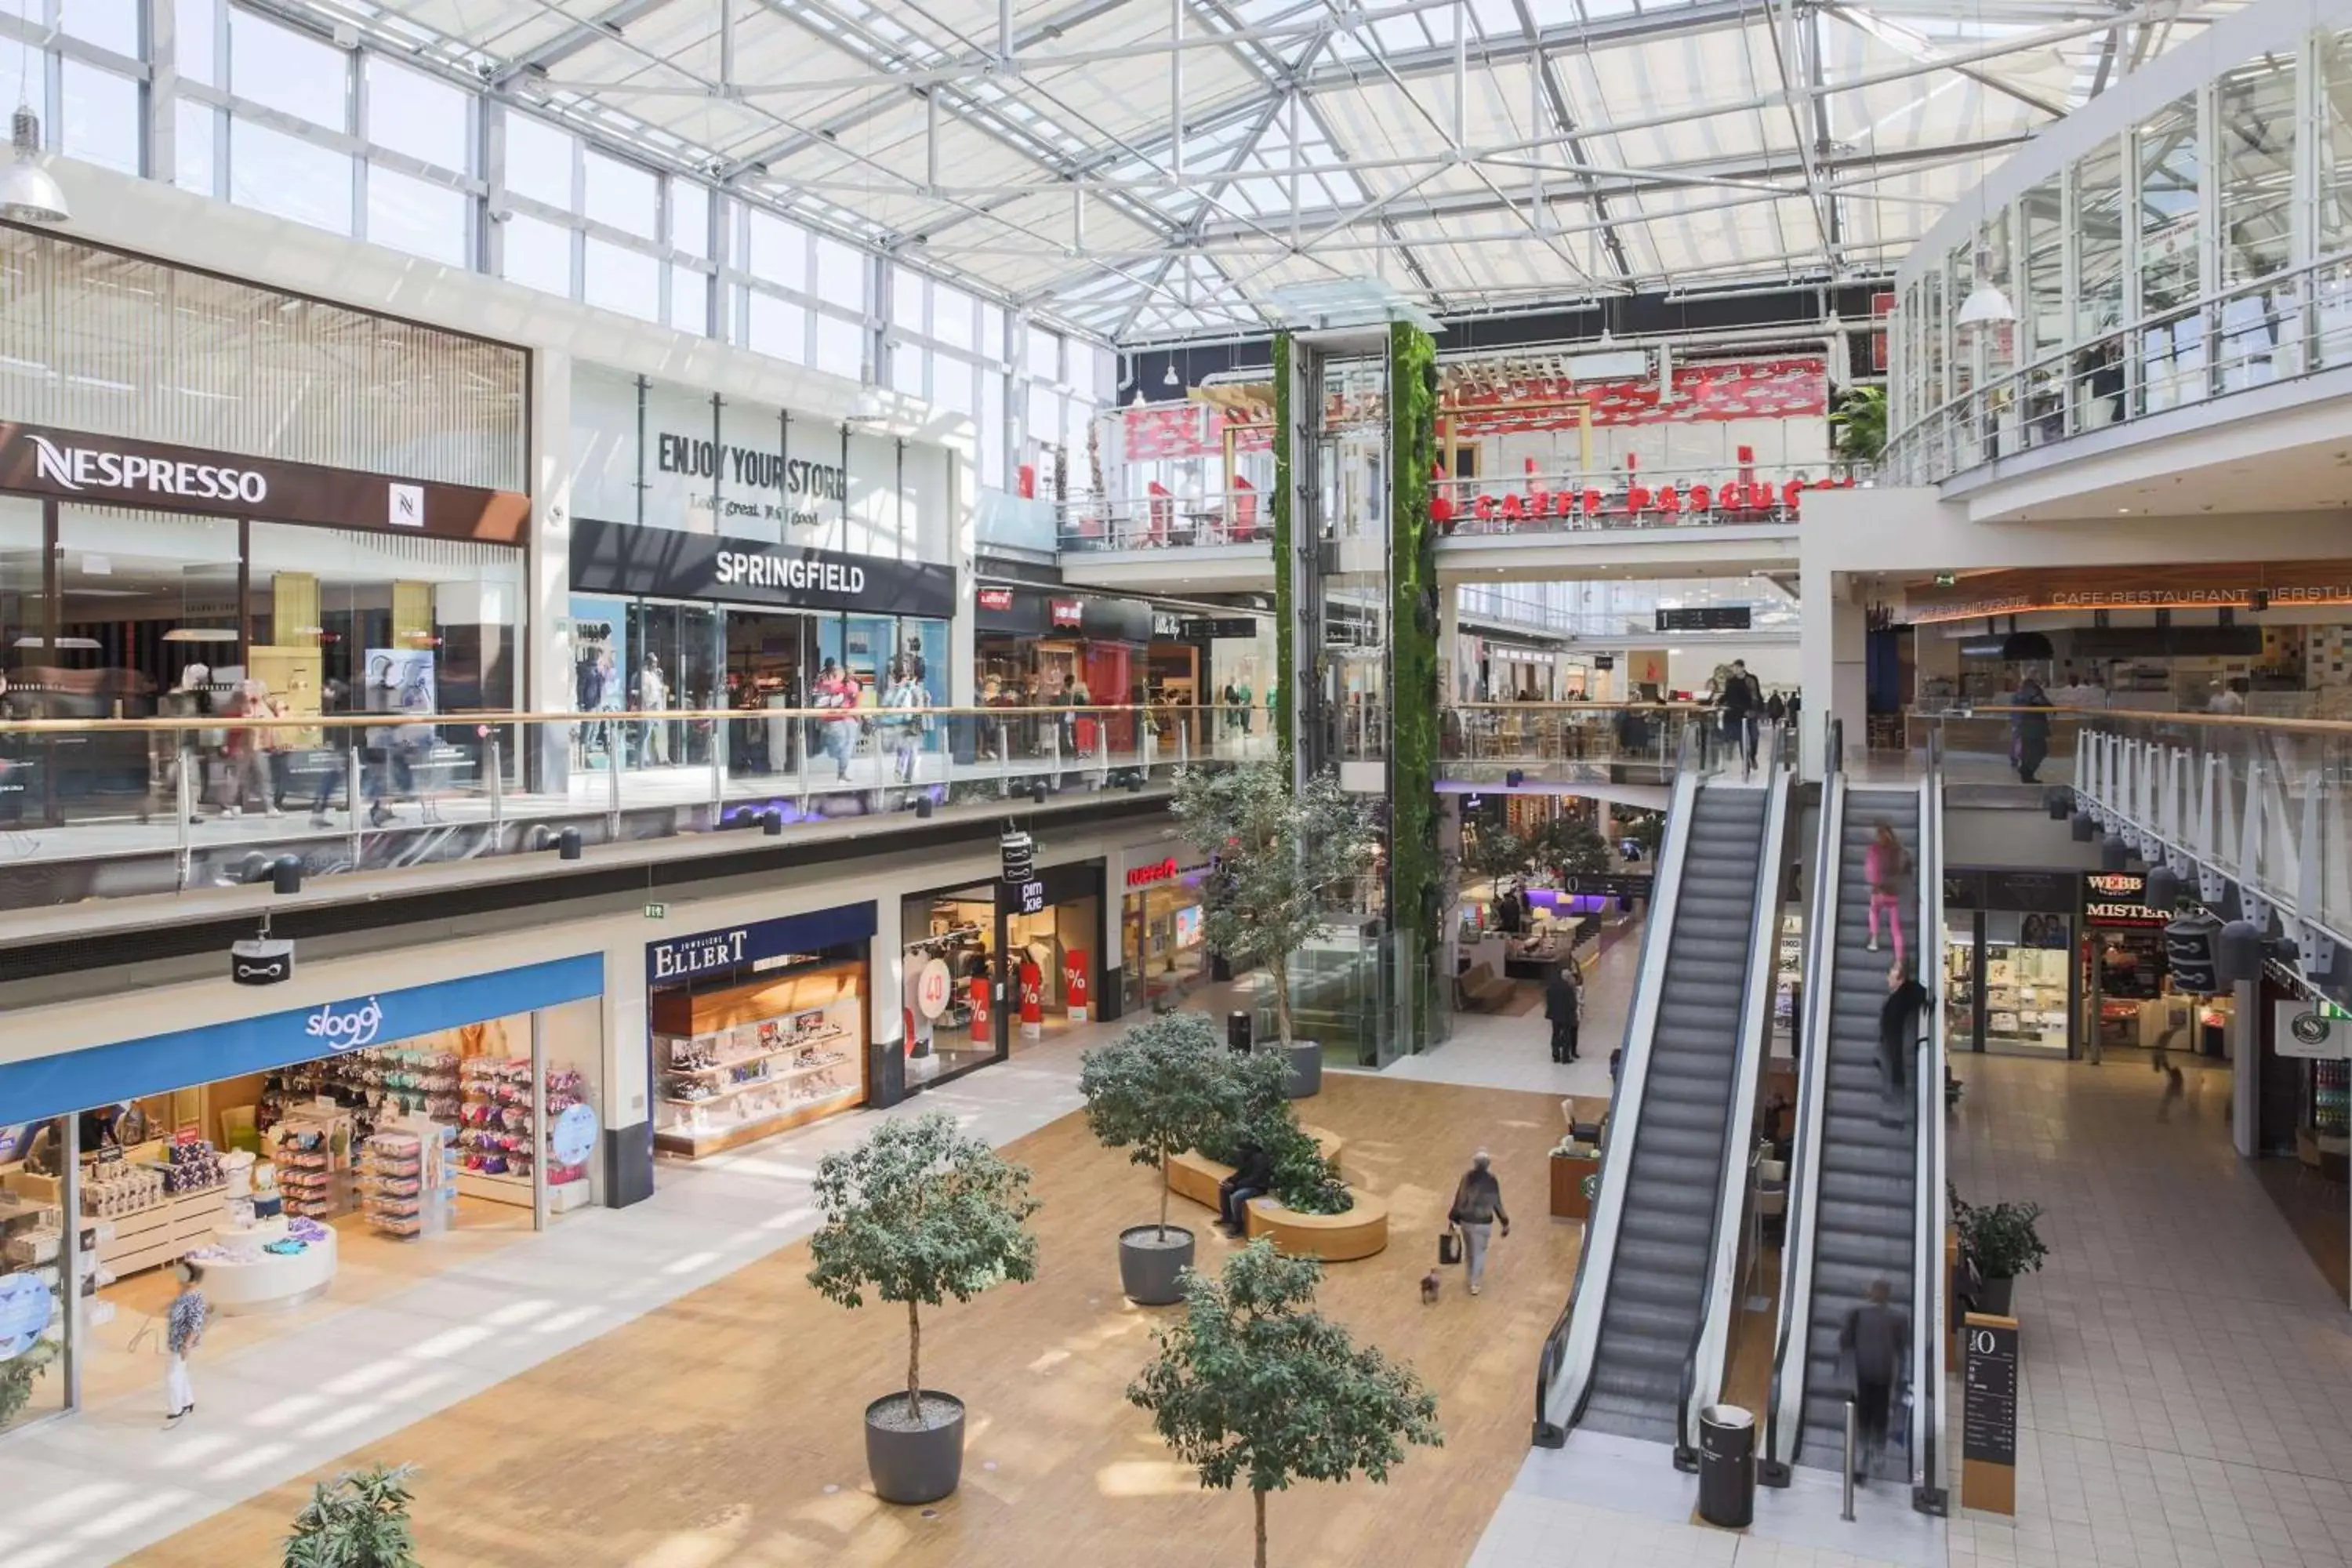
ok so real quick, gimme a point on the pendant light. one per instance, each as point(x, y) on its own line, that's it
point(1985, 305)
point(28, 192)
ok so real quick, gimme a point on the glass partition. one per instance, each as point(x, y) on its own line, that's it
point(2167, 160)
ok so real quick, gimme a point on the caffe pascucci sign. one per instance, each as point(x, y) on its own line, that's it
point(802, 483)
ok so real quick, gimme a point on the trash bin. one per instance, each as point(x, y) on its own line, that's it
point(1727, 1467)
point(1237, 1031)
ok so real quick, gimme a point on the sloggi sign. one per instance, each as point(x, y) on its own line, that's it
point(347, 1026)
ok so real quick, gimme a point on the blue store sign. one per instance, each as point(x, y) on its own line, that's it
point(104, 1075)
point(732, 947)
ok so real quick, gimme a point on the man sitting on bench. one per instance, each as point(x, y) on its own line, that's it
point(1253, 1177)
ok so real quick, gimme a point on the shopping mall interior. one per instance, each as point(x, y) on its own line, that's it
point(779, 786)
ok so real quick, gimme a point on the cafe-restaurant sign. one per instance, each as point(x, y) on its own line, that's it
point(2010, 593)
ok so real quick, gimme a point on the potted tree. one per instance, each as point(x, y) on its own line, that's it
point(2003, 1242)
point(1163, 1088)
point(916, 1213)
point(1280, 856)
point(359, 1520)
point(1254, 1386)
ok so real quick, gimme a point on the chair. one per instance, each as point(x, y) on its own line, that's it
point(1245, 510)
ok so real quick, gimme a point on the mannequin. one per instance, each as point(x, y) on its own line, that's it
point(653, 697)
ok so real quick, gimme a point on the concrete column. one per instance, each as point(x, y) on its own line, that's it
point(886, 964)
point(1832, 658)
point(548, 590)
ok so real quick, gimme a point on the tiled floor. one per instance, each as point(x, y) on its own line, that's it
point(2186, 1372)
point(1499, 1051)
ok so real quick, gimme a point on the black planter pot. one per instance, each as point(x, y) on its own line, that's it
point(914, 1467)
point(1147, 1270)
point(1997, 1292)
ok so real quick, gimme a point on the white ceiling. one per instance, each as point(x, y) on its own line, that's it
point(1561, 150)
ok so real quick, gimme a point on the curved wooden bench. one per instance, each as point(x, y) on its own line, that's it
point(1333, 1238)
point(1194, 1175)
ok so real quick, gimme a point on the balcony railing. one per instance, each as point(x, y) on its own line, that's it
point(96, 808)
point(2276, 328)
point(1568, 501)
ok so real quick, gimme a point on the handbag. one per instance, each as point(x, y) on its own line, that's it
point(1449, 1247)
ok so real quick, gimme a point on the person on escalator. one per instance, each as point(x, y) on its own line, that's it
point(1884, 865)
point(1900, 1020)
point(1877, 1340)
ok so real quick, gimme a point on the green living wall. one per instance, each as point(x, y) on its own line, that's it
point(1415, 875)
point(1285, 584)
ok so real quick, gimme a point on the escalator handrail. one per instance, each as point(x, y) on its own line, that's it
point(1598, 1258)
point(1710, 1337)
point(1784, 1419)
point(1928, 1348)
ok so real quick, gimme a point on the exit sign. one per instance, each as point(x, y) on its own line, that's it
point(1948, 579)
point(657, 911)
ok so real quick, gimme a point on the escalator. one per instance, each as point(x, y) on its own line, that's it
point(1862, 1164)
point(1659, 1261)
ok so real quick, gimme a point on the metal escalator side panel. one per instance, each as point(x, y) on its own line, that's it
point(1929, 1355)
point(1588, 1295)
point(1703, 1379)
point(1787, 1402)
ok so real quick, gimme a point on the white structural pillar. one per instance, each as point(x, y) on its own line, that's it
point(1449, 644)
point(1833, 657)
point(2245, 1039)
point(549, 589)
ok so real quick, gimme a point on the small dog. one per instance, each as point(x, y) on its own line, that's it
point(1431, 1283)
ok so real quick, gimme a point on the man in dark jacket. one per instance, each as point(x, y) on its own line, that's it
point(1563, 1005)
point(1253, 1177)
point(1476, 1208)
point(1878, 1338)
point(2030, 730)
point(1900, 1020)
point(1742, 699)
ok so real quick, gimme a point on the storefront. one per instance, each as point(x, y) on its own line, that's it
point(994, 961)
point(186, 508)
point(667, 620)
point(759, 1027)
point(1036, 647)
point(1210, 677)
point(735, 556)
point(2128, 1000)
point(1162, 956)
point(274, 1151)
point(2007, 943)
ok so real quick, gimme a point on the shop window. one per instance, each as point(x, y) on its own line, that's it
point(33, 1266)
point(287, 177)
point(418, 216)
point(23, 616)
point(101, 119)
point(671, 659)
point(618, 279)
point(950, 970)
point(537, 255)
point(740, 1055)
point(410, 112)
point(288, 71)
point(149, 594)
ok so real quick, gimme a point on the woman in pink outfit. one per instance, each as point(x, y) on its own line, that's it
point(1886, 864)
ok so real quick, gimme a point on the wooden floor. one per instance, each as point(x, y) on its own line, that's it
point(725, 1429)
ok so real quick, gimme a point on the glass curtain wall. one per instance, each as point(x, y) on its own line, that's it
point(2167, 160)
point(2098, 229)
point(2254, 110)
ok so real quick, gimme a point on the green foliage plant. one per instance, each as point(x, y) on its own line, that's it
point(1164, 1086)
point(359, 1520)
point(919, 1213)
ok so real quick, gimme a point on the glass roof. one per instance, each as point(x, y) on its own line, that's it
point(1477, 154)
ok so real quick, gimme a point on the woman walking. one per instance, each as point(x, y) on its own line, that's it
point(184, 1330)
point(1886, 864)
point(1477, 1206)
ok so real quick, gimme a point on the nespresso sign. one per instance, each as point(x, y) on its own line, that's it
point(75, 466)
point(662, 563)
